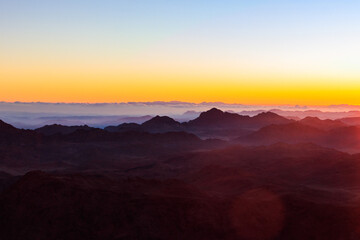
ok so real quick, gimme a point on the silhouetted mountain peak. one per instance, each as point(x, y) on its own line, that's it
point(161, 124)
point(216, 118)
point(160, 120)
point(268, 118)
point(268, 115)
point(311, 119)
point(214, 112)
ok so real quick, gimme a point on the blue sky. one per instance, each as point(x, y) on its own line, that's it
point(272, 43)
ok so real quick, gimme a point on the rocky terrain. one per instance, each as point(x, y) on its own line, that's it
point(262, 177)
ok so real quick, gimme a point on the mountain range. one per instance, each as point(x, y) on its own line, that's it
point(219, 176)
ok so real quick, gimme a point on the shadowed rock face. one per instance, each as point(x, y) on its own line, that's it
point(7, 131)
point(42, 206)
point(273, 192)
point(4, 127)
point(12, 135)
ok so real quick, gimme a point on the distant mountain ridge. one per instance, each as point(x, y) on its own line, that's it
point(216, 118)
point(211, 123)
point(330, 134)
point(322, 124)
point(263, 128)
point(49, 130)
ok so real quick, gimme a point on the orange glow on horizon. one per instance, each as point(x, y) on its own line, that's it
point(242, 52)
point(113, 91)
point(91, 83)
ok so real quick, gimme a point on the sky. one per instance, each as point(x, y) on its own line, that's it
point(248, 52)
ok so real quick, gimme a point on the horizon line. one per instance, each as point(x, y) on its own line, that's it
point(180, 102)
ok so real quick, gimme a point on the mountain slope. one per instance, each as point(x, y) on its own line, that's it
point(322, 124)
point(161, 124)
point(158, 124)
point(60, 129)
point(218, 119)
point(288, 133)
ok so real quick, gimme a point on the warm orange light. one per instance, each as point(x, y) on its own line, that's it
point(128, 82)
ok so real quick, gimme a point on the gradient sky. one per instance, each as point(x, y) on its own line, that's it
point(251, 52)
